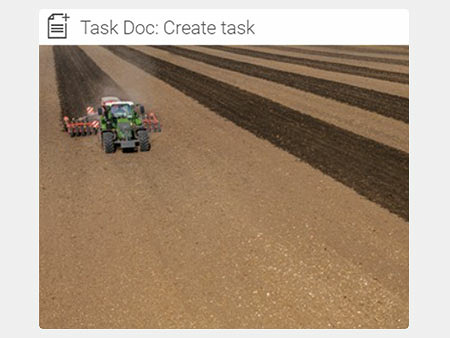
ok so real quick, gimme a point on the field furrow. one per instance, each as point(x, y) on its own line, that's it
point(381, 50)
point(329, 66)
point(74, 67)
point(385, 87)
point(381, 103)
point(375, 171)
point(301, 50)
point(370, 125)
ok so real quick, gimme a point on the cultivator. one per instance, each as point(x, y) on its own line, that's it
point(75, 127)
point(82, 126)
point(151, 122)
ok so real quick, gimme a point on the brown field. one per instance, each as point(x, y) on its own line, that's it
point(275, 197)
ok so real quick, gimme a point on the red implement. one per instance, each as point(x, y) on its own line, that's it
point(150, 121)
point(80, 126)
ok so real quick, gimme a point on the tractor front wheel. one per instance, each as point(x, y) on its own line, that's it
point(144, 142)
point(108, 142)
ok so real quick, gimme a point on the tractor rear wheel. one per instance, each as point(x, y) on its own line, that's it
point(108, 142)
point(144, 142)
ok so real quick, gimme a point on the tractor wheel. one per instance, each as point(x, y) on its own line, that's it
point(144, 142)
point(108, 142)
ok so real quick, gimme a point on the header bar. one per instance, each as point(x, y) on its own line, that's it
point(227, 26)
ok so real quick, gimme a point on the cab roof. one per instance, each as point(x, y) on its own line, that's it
point(112, 103)
point(107, 99)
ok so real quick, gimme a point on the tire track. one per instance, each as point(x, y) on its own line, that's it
point(80, 81)
point(385, 104)
point(340, 55)
point(378, 172)
point(324, 65)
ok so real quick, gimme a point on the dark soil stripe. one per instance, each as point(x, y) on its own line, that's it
point(81, 83)
point(384, 104)
point(400, 50)
point(323, 65)
point(375, 171)
point(340, 55)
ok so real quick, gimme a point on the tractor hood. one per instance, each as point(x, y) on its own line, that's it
point(125, 129)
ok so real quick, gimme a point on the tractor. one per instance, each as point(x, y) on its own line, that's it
point(119, 123)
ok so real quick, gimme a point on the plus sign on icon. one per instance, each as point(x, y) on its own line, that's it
point(57, 26)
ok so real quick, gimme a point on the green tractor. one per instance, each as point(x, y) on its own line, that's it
point(122, 126)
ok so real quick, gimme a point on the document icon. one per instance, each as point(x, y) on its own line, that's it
point(57, 26)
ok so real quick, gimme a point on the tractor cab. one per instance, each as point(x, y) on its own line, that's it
point(121, 110)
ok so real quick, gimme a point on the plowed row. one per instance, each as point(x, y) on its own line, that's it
point(80, 81)
point(341, 55)
point(390, 50)
point(329, 66)
point(375, 171)
point(381, 103)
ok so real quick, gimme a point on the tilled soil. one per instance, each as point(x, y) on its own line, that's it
point(381, 86)
point(328, 58)
point(364, 123)
point(214, 227)
point(377, 172)
point(80, 81)
point(381, 103)
point(387, 50)
point(404, 53)
point(341, 55)
point(331, 66)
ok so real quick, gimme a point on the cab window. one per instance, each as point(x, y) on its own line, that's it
point(121, 111)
